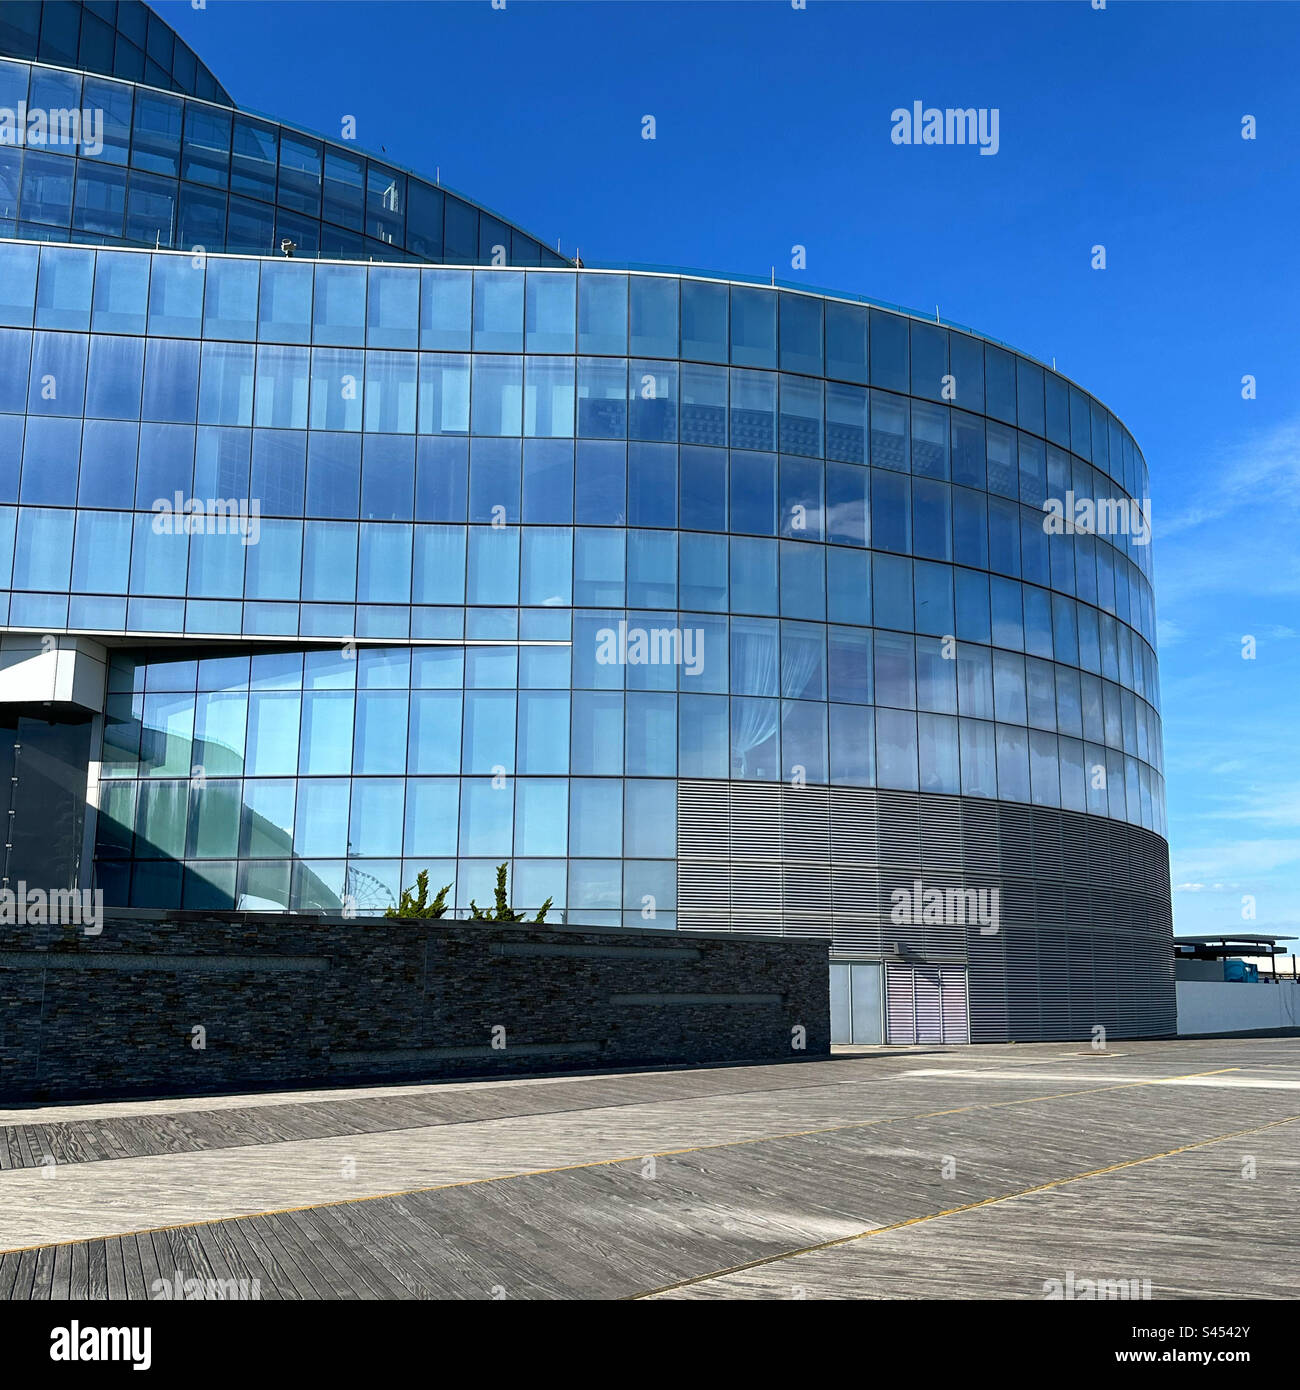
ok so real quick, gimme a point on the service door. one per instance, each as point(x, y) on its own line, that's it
point(927, 1004)
point(855, 1002)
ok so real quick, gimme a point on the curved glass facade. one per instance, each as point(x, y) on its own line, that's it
point(170, 171)
point(856, 570)
point(705, 604)
point(116, 38)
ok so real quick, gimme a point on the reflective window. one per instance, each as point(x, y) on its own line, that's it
point(226, 384)
point(548, 397)
point(753, 410)
point(49, 467)
point(58, 374)
point(652, 316)
point(602, 314)
point(704, 321)
point(602, 398)
point(424, 216)
point(652, 404)
point(550, 313)
point(339, 306)
point(393, 308)
point(890, 432)
point(300, 173)
point(801, 334)
point(498, 311)
point(385, 204)
point(156, 133)
point(460, 232)
point(63, 291)
point(801, 416)
point(443, 400)
point(753, 327)
point(171, 380)
point(889, 351)
point(497, 395)
point(99, 204)
point(115, 100)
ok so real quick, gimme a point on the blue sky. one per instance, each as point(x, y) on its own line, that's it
point(1119, 127)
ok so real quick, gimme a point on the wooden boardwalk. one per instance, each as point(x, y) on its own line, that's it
point(932, 1173)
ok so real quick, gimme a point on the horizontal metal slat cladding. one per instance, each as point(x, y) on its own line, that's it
point(1084, 929)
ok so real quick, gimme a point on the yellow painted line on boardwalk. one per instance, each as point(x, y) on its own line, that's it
point(956, 1211)
point(612, 1162)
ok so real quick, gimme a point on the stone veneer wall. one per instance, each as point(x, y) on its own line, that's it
point(297, 1000)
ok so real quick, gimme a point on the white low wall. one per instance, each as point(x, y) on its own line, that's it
point(1223, 1006)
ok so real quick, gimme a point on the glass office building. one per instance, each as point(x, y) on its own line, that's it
point(706, 605)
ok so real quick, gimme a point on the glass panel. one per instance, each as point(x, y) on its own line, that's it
point(548, 397)
point(206, 157)
point(652, 409)
point(115, 100)
point(300, 174)
point(99, 205)
point(423, 218)
point(497, 395)
point(602, 398)
point(704, 313)
point(652, 316)
point(444, 394)
point(460, 232)
point(550, 313)
point(344, 189)
point(176, 296)
point(753, 410)
point(339, 306)
point(602, 315)
point(63, 295)
point(385, 204)
point(156, 133)
point(801, 416)
point(801, 334)
point(250, 228)
point(753, 327)
point(889, 355)
point(498, 311)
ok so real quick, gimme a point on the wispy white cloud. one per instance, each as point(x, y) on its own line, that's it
point(1235, 531)
point(1239, 858)
point(1169, 634)
point(1265, 805)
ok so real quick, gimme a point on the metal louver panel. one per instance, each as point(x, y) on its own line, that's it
point(853, 891)
point(956, 1012)
point(979, 833)
point(808, 888)
point(929, 1004)
point(926, 1004)
point(899, 830)
point(755, 821)
point(806, 823)
point(702, 818)
point(987, 994)
point(1047, 843)
point(900, 1004)
point(853, 826)
point(941, 835)
point(1076, 947)
point(756, 894)
point(1075, 839)
point(1015, 839)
